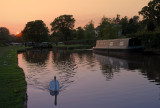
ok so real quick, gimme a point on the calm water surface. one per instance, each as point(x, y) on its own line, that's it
point(89, 80)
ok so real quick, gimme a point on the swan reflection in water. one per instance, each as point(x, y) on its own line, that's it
point(54, 89)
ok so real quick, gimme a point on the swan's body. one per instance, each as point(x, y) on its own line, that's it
point(54, 85)
point(54, 89)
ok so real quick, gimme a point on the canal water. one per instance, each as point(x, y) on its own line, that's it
point(89, 80)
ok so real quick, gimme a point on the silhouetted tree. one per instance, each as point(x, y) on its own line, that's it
point(133, 25)
point(117, 19)
point(151, 14)
point(35, 31)
point(73, 35)
point(104, 21)
point(4, 33)
point(124, 24)
point(89, 30)
point(150, 26)
point(57, 36)
point(64, 24)
point(108, 29)
point(79, 33)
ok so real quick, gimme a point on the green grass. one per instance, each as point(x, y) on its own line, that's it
point(12, 79)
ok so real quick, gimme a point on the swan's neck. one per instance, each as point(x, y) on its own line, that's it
point(55, 84)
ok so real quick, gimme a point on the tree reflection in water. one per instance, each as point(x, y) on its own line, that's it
point(90, 59)
point(37, 61)
point(66, 64)
point(151, 69)
point(36, 56)
point(107, 71)
point(86, 58)
point(148, 66)
point(66, 67)
point(110, 65)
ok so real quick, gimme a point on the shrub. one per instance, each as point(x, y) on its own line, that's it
point(149, 39)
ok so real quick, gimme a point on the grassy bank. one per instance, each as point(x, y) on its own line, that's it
point(12, 79)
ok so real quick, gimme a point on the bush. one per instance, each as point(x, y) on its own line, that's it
point(150, 40)
point(80, 42)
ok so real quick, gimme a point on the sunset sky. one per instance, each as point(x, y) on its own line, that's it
point(16, 13)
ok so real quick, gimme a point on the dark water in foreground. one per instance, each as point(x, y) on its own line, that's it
point(89, 80)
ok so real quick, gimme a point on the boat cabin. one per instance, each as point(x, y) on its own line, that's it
point(124, 43)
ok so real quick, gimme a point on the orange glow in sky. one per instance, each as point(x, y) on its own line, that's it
point(16, 13)
point(18, 34)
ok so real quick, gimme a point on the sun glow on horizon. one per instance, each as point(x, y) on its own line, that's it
point(18, 34)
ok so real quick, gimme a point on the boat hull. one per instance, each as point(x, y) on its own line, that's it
point(118, 52)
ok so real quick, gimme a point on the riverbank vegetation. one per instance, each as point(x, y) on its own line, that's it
point(72, 47)
point(12, 79)
point(62, 28)
point(150, 39)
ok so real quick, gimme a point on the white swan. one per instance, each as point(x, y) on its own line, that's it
point(54, 85)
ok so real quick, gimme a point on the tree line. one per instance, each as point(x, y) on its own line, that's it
point(62, 27)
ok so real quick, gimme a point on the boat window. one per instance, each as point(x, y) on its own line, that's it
point(121, 43)
point(111, 44)
point(135, 42)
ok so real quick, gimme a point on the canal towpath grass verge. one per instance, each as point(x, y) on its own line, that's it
point(12, 79)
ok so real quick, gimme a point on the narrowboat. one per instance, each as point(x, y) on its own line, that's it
point(118, 46)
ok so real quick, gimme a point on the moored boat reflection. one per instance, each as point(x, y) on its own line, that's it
point(148, 65)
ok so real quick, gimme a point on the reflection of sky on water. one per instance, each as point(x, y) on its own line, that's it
point(88, 80)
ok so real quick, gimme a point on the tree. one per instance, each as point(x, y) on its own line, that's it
point(124, 23)
point(104, 22)
point(73, 35)
point(79, 33)
point(108, 29)
point(151, 14)
point(4, 33)
point(117, 19)
point(64, 24)
point(89, 30)
point(35, 31)
point(57, 36)
point(133, 25)
point(129, 26)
